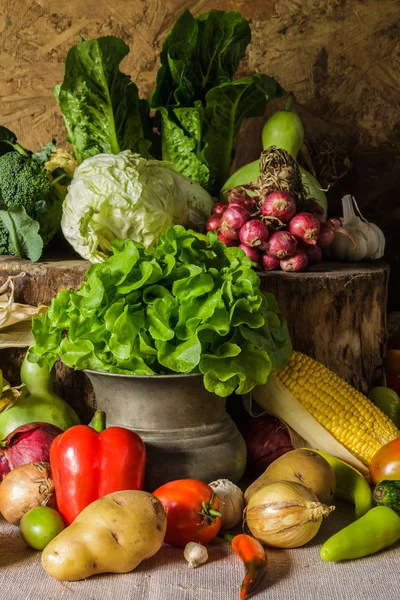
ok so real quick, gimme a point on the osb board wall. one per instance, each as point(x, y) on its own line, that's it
point(341, 58)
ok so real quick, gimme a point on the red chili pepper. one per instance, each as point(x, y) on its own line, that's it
point(90, 462)
point(254, 558)
point(392, 369)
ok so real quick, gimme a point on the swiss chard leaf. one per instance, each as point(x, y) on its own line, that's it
point(23, 232)
point(226, 107)
point(181, 141)
point(198, 54)
point(100, 104)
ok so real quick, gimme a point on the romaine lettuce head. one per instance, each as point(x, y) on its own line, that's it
point(128, 197)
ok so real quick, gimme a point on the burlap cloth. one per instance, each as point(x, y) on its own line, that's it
point(293, 574)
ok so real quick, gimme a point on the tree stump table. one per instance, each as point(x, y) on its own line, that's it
point(336, 313)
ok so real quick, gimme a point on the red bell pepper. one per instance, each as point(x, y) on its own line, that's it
point(392, 370)
point(90, 462)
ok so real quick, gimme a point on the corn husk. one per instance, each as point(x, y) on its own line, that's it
point(276, 399)
point(16, 318)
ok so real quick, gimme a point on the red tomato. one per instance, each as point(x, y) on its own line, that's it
point(386, 462)
point(192, 511)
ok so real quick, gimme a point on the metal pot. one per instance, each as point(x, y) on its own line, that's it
point(186, 429)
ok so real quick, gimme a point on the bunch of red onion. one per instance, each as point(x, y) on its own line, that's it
point(270, 231)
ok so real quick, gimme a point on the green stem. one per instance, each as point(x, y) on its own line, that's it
point(289, 102)
point(384, 380)
point(9, 223)
point(99, 421)
point(227, 537)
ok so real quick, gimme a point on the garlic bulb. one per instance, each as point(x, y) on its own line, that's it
point(195, 554)
point(368, 238)
point(232, 502)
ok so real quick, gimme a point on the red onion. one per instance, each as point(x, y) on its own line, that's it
point(314, 254)
point(227, 241)
point(251, 203)
point(240, 205)
point(253, 233)
point(269, 263)
point(280, 205)
point(282, 244)
point(229, 232)
point(266, 440)
point(326, 235)
point(235, 216)
point(296, 263)
point(27, 444)
point(238, 195)
point(213, 223)
point(219, 208)
point(306, 227)
point(252, 253)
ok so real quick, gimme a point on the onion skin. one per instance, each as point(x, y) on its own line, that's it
point(269, 263)
point(213, 223)
point(266, 440)
point(325, 237)
point(252, 253)
point(285, 514)
point(219, 208)
point(253, 233)
point(234, 217)
point(282, 244)
point(295, 263)
point(306, 227)
point(280, 205)
point(314, 254)
point(27, 444)
point(229, 241)
point(24, 488)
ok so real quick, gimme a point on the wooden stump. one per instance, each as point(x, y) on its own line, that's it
point(39, 283)
point(337, 314)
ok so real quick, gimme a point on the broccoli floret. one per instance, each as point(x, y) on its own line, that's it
point(24, 181)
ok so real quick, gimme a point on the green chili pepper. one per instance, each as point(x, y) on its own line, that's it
point(379, 528)
point(387, 400)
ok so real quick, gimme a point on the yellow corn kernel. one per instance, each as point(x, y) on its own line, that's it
point(348, 415)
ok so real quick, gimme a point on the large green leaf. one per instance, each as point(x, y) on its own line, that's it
point(100, 105)
point(226, 106)
point(198, 54)
point(23, 232)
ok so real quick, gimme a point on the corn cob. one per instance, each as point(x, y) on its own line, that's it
point(349, 416)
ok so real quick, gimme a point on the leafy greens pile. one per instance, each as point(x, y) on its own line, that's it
point(199, 106)
point(189, 305)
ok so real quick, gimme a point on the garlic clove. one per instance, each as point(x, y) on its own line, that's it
point(195, 554)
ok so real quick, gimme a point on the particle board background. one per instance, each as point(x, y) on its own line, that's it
point(341, 58)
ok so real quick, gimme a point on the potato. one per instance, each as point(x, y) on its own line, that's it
point(301, 466)
point(111, 535)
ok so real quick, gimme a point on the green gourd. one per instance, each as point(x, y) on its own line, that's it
point(37, 402)
point(283, 130)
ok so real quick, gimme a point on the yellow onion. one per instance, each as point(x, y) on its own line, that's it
point(24, 488)
point(285, 514)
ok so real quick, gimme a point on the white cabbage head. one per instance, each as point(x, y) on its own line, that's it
point(126, 196)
